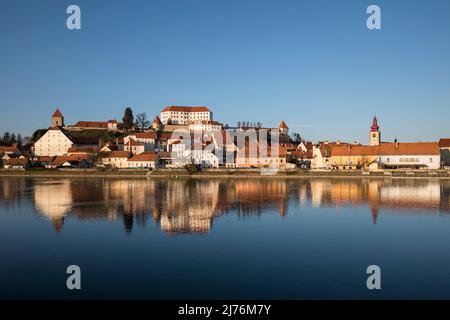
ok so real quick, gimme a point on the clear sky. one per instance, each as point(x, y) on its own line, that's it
point(313, 64)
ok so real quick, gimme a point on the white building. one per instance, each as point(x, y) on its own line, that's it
point(185, 115)
point(117, 159)
point(144, 160)
point(321, 157)
point(57, 142)
point(205, 125)
point(426, 155)
point(147, 138)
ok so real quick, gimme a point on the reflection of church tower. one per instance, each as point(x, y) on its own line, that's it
point(282, 209)
point(375, 135)
point(58, 223)
point(57, 119)
point(374, 210)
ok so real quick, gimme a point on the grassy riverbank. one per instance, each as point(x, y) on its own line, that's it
point(222, 173)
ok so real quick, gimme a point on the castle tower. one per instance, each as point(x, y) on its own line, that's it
point(375, 134)
point(57, 119)
point(157, 124)
point(283, 127)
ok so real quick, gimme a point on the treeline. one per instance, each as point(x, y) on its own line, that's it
point(8, 139)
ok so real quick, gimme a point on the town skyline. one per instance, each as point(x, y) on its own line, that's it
point(316, 66)
point(389, 132)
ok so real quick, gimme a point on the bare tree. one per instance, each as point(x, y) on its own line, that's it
point(142, 121)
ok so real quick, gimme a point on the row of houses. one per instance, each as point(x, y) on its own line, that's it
point(189, 135)
point(381, 155)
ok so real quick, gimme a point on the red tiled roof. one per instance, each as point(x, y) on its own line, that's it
point(283, 125)
point(60, 160)
point(42, 159)
point(8, 149)
point(146, 157)
point(157, 120)
point(444, 143)
point(83, 150)
point(164, 154)
point(91, 124)
point(16, 162)
point(57, 113)
point(133, 142)
point(145, 135)
point(165, 135)
point(403, 148)
point(185, 109)
point(117, 154)
point(300, 154)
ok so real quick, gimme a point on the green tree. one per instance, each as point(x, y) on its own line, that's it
point(38, 134)
point(19, 141)
point(128, 118)
point(6, 140)
point(13, 138)
point(296, 138)
point(142, 121)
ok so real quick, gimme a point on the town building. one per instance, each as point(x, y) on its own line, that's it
point(40, 162)
point(410, 155)
point(147, 138)
point(157, 124)
point(260, 156)
point(16, 163)
point(444, 145)
point(110, 126)
point(185, 115)
point(134, 147)
point(13, 149)
point(57, 142)
point(116, 159)
point(205, 125)
point(148, 160)
point(81, 161)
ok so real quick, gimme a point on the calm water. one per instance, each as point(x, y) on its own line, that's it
point(283, 239)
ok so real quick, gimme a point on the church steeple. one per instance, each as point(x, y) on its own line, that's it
point(375, 134)
point(375, 126)
point(57, 118)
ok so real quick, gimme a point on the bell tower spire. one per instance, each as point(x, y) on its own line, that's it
point(375, 134)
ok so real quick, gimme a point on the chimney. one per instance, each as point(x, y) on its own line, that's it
point(397, 144)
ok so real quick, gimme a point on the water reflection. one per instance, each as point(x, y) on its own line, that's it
point(190, 206)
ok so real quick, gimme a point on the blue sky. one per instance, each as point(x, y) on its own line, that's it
point(313, 64)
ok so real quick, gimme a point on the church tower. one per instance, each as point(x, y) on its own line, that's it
point(57, 119)
point(375, 134)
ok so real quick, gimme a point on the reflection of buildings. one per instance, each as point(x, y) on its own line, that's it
point(53, 200)
point(256, 196)
point(402, 195)
point(190, 205)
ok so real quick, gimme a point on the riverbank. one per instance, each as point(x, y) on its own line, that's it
point(224, 174)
